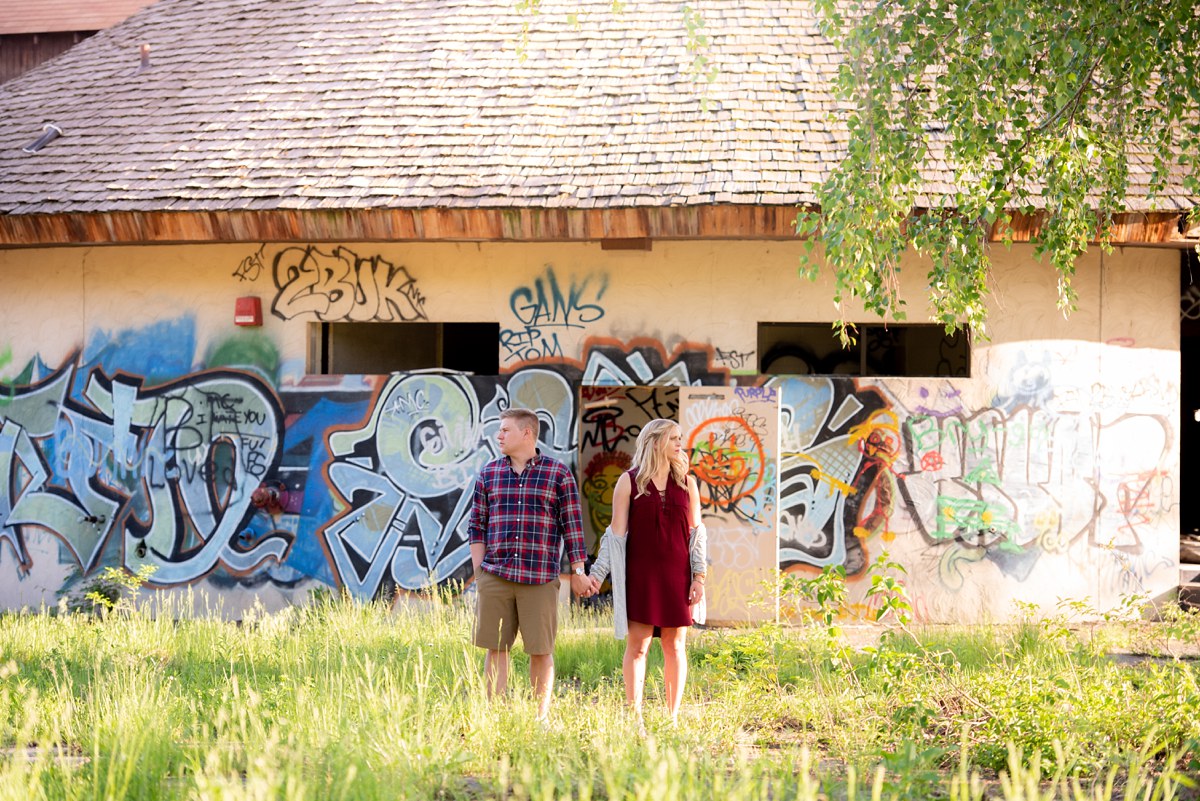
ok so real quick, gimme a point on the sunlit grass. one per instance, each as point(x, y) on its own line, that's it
point(343, 700)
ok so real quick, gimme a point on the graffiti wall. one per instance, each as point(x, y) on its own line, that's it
point(732, 434)
point(985, 501)
point(161, 475)
point(212, 456)
point(610, 419)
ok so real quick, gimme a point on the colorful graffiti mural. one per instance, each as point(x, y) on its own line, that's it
point(169, 468)
point(1006, 484)
point(610, 419)
point(1014, 485)
point(404, 477)
point(733, 435)
point(600, 477)
point(832, 466)
point(134, 452)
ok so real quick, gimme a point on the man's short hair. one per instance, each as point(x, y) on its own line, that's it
point(524, 418)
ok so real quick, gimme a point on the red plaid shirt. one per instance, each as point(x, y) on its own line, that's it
point(524, 520)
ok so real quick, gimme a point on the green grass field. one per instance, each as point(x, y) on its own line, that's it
point(346, 701)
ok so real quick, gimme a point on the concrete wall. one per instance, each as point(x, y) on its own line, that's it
point(138, 420)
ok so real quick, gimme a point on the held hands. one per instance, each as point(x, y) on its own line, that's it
point(584, 586)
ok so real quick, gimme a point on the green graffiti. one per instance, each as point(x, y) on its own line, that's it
point(954, 558)
point(982, 473)
point(246, 349)
point(975, 437)
point(958, 515)
point(8, 385)
point(923, 432)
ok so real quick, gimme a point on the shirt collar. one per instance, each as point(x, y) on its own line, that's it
point(537, 457)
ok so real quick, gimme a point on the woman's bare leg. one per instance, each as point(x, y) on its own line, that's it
point(674, 641)
point(637, 645)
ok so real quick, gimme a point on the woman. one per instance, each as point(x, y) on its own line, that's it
point(655, 551)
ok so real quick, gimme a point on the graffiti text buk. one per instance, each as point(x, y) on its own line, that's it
point(343, 286)
point(545, 309)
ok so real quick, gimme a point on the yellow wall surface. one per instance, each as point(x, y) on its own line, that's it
point(703, 292)
point(1051, 470)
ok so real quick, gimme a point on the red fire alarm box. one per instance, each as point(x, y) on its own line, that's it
point(247, 311)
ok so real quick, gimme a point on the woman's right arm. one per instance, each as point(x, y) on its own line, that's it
point(620, 506)
point(620, 522)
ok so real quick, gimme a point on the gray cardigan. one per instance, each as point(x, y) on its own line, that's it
point(610, 561)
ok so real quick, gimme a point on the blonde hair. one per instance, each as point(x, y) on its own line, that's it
point(523, 418)
point(649, 459)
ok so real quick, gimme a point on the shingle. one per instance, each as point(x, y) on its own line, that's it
point(49, 16)
point(261, 104)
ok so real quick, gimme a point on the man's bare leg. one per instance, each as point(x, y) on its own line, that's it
point(541, 676)
point(495, 673)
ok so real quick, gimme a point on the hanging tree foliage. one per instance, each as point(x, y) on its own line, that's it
point(1043, 108)
point(1039, 107)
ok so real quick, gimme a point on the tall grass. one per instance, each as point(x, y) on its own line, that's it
point(347, 701)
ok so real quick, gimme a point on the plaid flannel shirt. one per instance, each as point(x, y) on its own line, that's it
point(524, 520)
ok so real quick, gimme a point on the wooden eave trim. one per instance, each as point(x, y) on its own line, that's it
point(766, 222)
point(1156, 229)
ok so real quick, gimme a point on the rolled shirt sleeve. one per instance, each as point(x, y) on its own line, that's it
point(477, 527)
point(570, 518)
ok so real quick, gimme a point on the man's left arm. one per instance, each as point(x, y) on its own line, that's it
point(570, 524)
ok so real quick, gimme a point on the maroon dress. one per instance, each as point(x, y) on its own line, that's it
point(658, 571)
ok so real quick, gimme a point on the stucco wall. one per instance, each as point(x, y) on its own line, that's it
point(139, 419)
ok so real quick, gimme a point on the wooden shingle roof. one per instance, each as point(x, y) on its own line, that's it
point(57, 16)
point(254, 106)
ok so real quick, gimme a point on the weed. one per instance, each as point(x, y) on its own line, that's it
point(112, 590)
point(343, 700)
point(1179, 626)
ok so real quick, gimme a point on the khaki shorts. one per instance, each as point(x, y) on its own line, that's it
point(504, 607)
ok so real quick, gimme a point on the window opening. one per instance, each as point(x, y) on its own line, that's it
point(379, 348)
point(892, 350)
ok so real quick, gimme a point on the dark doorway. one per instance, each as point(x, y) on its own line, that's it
point(1189, 395)
point(381, 348)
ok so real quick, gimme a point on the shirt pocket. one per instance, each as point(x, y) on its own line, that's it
point(677, 507)
point(542, 503)
point(677, 501)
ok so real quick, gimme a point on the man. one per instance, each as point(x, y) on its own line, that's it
point(526, 507)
